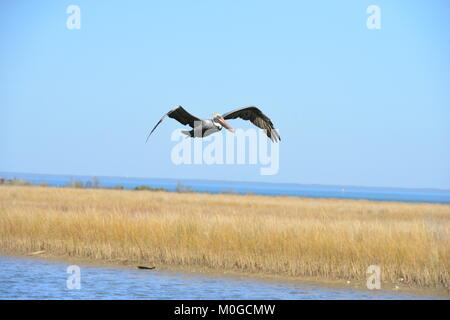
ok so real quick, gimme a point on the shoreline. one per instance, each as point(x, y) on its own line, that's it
point(93, 182)
point(400, 289)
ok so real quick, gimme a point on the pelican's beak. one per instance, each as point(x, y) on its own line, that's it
point(225, 124)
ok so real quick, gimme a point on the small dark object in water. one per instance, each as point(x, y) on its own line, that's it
point(146, 268)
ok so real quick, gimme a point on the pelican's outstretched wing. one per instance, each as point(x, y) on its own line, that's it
point(258, 118)
point(178, 114)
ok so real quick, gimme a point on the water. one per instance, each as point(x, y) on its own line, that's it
point(286, 189)
point(31, 278)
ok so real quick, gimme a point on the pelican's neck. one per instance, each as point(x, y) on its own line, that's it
point(217, 124)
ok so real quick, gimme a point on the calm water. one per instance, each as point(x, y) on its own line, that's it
point(28, 278)
point(287, 189)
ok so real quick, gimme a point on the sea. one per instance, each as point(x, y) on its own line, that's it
point(239, 187)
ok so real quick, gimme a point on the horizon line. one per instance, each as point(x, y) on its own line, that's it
point(235, 181)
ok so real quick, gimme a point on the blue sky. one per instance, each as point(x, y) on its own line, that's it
point(354, 106)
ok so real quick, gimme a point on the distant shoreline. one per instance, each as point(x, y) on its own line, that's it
point(316, 185)
point(233, 187)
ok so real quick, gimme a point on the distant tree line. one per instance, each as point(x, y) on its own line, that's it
point(95, 184)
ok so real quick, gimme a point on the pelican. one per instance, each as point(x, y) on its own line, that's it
point(204, 127)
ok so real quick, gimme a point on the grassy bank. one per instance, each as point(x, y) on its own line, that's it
point(294, 237)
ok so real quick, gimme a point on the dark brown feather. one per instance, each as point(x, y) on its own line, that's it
point(258, 118)
point(180, 115)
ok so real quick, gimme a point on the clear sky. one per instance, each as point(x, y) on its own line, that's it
point(354, 106)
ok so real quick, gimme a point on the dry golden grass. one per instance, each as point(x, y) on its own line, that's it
point(326, 239)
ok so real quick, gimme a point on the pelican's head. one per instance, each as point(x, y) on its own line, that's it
point(218, 118)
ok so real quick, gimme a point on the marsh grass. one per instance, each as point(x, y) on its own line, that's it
point(295, 237)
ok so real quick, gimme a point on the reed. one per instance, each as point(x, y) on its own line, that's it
point(295, 237)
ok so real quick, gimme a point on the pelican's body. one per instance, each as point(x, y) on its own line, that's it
point(205, 127)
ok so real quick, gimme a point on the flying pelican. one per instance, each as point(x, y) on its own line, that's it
point(204, 127)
